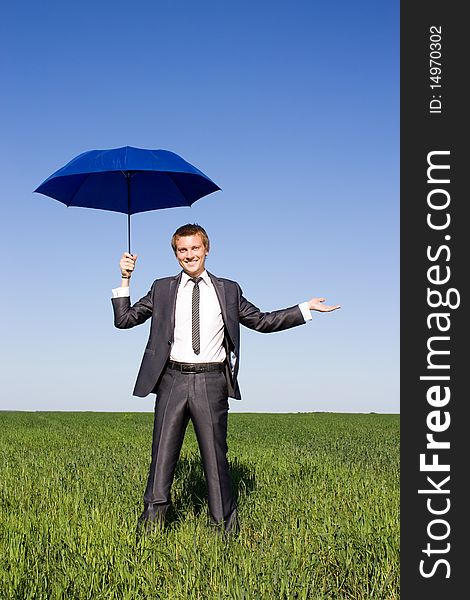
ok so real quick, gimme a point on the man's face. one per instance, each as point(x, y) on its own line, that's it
point(191, 254)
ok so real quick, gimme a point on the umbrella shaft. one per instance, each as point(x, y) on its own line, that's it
point(128, 177)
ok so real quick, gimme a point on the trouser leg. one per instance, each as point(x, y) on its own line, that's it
point(208, 409)
point(170, 421)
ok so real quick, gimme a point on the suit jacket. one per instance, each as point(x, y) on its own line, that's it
point(159, 305)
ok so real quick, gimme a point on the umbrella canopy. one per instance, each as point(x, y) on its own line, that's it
point(128, 180)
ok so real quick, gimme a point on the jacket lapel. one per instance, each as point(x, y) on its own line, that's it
point(230, 349)
point(172, 291)
point(220, 291)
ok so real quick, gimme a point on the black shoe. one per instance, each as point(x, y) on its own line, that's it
point(228, 528)
point(152, 519)
point(232, 526)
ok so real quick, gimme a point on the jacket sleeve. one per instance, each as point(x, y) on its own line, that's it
point(268, 322)
point(127, 316)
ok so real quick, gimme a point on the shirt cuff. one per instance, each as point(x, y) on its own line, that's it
point(305, 311)
point(121, 292)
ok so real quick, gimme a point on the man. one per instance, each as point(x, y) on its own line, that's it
point(191, 363)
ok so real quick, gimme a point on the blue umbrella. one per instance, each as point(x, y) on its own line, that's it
point(127, 180)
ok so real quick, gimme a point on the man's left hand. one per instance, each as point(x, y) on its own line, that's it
point(317, 304)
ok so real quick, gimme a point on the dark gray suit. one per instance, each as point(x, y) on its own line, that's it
point(179, 398)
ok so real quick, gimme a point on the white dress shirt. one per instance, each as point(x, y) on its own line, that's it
point(211, 322)
point(210, 318)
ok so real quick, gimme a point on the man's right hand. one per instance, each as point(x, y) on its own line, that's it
point(127, 264)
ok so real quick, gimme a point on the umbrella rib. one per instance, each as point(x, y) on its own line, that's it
point(78, 189)
point(177, 187)
point(88, 175)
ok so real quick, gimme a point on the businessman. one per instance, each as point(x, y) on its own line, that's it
point(191, 364)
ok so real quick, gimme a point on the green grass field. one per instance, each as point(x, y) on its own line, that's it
point(318, 499)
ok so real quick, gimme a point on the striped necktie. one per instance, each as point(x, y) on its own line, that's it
point(196, 334)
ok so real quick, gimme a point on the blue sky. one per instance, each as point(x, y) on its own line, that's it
point(292, 109)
